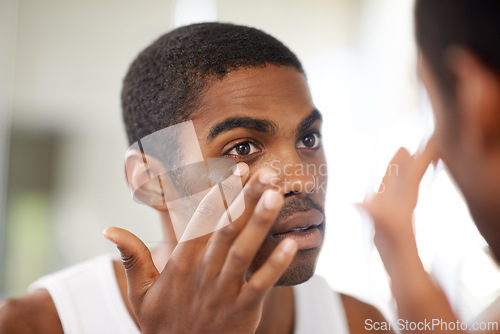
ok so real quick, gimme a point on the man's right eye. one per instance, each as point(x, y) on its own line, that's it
point(242, 149)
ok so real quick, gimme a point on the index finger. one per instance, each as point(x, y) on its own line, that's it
point(422, 161)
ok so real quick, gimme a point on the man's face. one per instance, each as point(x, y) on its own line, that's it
point(265, 117)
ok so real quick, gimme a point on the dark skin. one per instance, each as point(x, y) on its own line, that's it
point(248, 300)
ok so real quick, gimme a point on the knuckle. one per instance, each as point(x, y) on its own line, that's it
point(238, 254)
point(227, 232)
point(257, 285)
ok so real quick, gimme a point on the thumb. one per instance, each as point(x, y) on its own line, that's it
point(136, 257)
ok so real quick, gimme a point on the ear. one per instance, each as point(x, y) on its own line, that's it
point(136, 171)
point(142, 179)
point(477, 89)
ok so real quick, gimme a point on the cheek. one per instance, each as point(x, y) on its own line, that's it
point(442, 125)
point(321, 185)
point(439, 134)
point(445, 132)
point(437, 104)
point(438, 112)
point(321, 175)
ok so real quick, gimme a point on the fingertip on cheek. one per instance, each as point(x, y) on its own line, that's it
point(241, 169)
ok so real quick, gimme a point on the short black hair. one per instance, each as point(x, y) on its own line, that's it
point(473, 24)
point(164, 83)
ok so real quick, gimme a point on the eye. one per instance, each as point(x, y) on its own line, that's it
point(242, 149)
point(310, 141)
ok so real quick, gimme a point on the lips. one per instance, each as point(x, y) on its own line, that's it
point(303, 227)
point(299, 222)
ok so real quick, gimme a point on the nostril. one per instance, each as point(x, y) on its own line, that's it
point(293, 192)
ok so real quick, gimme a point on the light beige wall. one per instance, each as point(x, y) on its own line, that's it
point(307, 27)
point(70, 59)
point(71, 56)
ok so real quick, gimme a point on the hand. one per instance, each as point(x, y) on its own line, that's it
point(203, 287)
point(392, 206)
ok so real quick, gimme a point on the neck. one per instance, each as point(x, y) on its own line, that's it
point(278, 313)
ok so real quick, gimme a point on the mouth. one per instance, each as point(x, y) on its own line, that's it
point(303, 227)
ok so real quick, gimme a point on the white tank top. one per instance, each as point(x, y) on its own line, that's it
point(88, 301)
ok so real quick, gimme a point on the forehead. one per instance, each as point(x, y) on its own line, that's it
point(277, 93)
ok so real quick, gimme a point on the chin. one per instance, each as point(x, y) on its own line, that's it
point(300, 270)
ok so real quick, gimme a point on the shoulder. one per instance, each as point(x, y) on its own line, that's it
point(358, 313)
point(31, 313)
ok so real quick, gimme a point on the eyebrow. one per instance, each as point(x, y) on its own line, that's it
point(309, 121)
point(259, 125)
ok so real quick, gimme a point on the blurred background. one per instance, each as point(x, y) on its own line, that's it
point(62, 142)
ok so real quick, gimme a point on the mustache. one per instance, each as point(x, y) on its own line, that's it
point(294, 204)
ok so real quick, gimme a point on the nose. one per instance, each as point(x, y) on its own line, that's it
point(296, 177)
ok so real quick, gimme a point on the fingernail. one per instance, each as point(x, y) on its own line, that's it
point(271, 199)
point(289, 246)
